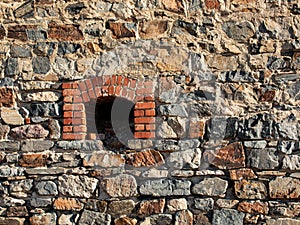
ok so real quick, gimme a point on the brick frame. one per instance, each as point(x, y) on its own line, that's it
point(77, 93)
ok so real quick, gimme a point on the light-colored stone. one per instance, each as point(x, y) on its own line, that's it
point(123, 207)
point(11, 116)
point(185, 159)
point(250, 189)
point(291, 162)
point(103, 159)
point(184, 217)
point(204, 204)
point(46, 188)
point(177, 204)
point(123, 185)
point(43, 219)
point(211, 187)
point(284, 187)
point(228, 216)
point(44, 96)
point(283, 221)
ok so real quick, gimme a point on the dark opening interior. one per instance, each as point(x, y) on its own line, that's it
point(123, 123)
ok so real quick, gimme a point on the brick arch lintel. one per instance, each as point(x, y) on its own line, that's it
point(78, 93)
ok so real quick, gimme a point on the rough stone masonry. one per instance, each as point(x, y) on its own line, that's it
point(215, 86)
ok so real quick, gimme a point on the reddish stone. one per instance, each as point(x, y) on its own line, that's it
point(254, 207)
point(268, 96)
point(121, 30)
point(65, 32)
point(152, 29)
point(145, 158)
point(67, 204)
point(33, 160)
point(19, 31)
point(230, 157)
point(152, 207)
point(197, 129)
point(249, 189)
point(212, 4)
point(6, 97)
point(240, 174)
point(29, 131)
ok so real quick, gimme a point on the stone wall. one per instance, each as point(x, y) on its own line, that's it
point(216, 94)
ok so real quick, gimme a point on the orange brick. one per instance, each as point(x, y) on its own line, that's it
point(150, 126)
point(118, 90)
point(68, 92)
point(144, 120)
point(145, 105)
point(68, 114)
point(126, 81)
point(133, 83)
point(81, 128)
point(66, 85)
point(79, 114)
point(139, 113)
point(119, 80)
point(113, 80)
point(139, 127)
point(150, 112)
point(68, 99)
point(67, 129)
point(67, 121)
point(144, 135)
point(77, 99)
point(111, 90)
point(72, 136)
point(78, 107)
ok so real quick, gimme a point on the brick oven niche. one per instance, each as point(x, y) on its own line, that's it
point(87, 106)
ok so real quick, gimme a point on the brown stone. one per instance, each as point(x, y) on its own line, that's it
point(11, 221)
point(125, 221)
point(212, 4)
point(19, 31)
point(6, 97)
point(201, 219)
point(67, 204)
point(250, 189)
point(103, 160)
point(184, 217)
point(43, 219)
point(230, 157)
point(254, 207)
point(121, 207)
point(65, 32)
point(33, 160)
point(4, 131)
point(44, 2)
point(121, 30)
point(284, 187)
point(153, 29)
point(268, 96)
point(17, 211)
point(145, 158)
point(123, 185)
point(242, 174)
point(2, 32)
point(173, 5)
point(197, 129)
point(96, 205)
point(152, 207)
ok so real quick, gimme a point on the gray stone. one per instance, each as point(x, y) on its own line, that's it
point(211, 187)
point(172, 128)
point(11, 67)
point(283, 221)
point(36, 145)
point(167, 145)
point(185, 159)
point(6, 171)
point(263, 158)
point(164, 187)
point(277, 63)
point(123, 207)
point(239, 31)
point(228, 216)
point(36, 34)
point(288, 128)
point(10, 145)
point(77, 186)
point(29, 131)
point(21, 188)
point(159, 219)
point(7, 82)
point(237, 76)
point(44, 109)
point(177, 204)
point(41, 65)
point(188, 144)
point(43, 48)
point(46, 188)
point(288, 147)
point(40, 202)
point(17, 51)
point(94, 218)
point(55, 129)
point(173, 110)
point(86, 145)
point(204, 204)
point(255, 144)
point(249, 189)
point(67, 48)
point(48, 171)
point(25, 10)
point(291, 162)
point(4, 131)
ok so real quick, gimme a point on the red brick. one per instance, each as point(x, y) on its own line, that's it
point(150, 112)
point(119, 80)
point(139, 113)
point(64, 32)
point(68, 92)
point(67, 121)
point(139, 127)
point(133, 83)
point(130, 94)
point(88, 84)
point(68, 99)
point(95, 82)
point(149, 98)
point(111, 90)
point(81, 128)
point(67, 129)
point(98, 92)
point(144, 135)
point(150, 127)
point(92, 93)
point(100, 81)
point(78, 107)
point(106, 80)
point(144, 120)
point(139, 98)
point(67, 86)
point(85, 97)
point(82, 86)
point(144, 91)
point(27, 120)
point(145, 105)
point(126, 81)
point(149, 83)
point(113, 80)
point(72, 136)
point(118, 90)
point(78, 121)
point(79, 114)
point(77, 99)
point(68, 114)
point(124, 92)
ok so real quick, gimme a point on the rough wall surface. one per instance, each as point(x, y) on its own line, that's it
point(216, 89)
